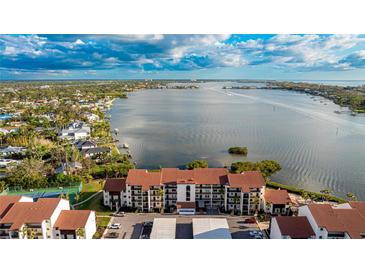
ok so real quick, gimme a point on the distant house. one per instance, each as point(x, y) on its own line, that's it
point(291, 227)
point(75, 131)
point(276, 201)
point(11, 150)
point(7, 162)
point(94, 151)
point(68, 167)
point(84, 144)
point(345, 221)
point(8, 130)
point(91, 117)
point(75, 224)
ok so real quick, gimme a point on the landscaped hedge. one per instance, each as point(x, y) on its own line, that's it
point(312, 195)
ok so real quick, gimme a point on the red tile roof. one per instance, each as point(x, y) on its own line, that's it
point(353, 222)
point(204, 176)
point(185, 205)
point(141, 177)
point(210, 176)
point(297, 227)
point(6, 202)
point(349, 220)
point(360, 206)
point(72, 219)
point(325, 217)
point(277, 196)
point(29, 213)
point(115, 185)
point(246, 180)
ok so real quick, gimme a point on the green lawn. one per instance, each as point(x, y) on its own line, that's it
point(95, 203)
point(102, 223)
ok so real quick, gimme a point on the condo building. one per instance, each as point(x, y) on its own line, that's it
point(47, 218)
point(186, 190)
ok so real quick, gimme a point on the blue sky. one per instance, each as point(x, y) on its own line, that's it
point(297, 57)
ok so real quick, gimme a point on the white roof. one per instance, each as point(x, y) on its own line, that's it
point(211, 228)
point(163, 228)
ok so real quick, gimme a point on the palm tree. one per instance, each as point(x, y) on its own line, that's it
point(161, 194)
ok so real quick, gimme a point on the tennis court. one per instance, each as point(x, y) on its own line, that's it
point(49, 192)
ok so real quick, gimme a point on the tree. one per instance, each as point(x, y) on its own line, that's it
point(267, 167)
point(305, 195)
point(161, 194)
point(197, 164)
point(238, 150)
point(351, 196)
point(80, 232)
point(325, 191)
point(30, 173)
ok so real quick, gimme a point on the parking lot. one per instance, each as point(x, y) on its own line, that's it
point(132, 226)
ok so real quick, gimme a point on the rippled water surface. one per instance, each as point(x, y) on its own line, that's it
point(317, 148)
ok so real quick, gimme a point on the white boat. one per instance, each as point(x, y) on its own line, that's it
point(125, 146)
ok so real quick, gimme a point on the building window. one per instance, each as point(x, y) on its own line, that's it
point(188, 193)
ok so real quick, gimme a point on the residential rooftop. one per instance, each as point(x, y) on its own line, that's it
point(341, 219)
point(296, 227)
point(277, 196)
point(72, 219)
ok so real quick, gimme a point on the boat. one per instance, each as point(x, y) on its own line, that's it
point(125, 146)
point(116, 131)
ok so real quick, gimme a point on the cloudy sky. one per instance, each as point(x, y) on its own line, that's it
point(302, 57)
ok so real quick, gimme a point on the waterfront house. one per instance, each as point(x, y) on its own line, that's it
point(189, 190)
point(95, 151)
point(85, 144)
point(291, 227)
point(91, 117)
point(345, 221)
point(75, 131)
point(276, 201)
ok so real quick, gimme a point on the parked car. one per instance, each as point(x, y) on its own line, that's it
point(115, 226)
point(250, 221)
point(148, 224)
point(112, 235)
point(119, 214)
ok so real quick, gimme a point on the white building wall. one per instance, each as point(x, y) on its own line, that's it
point(90, 227)
point(275, 232)
point(305, 211)
point(62, 205)
point(181, 192)
point(25, 199)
